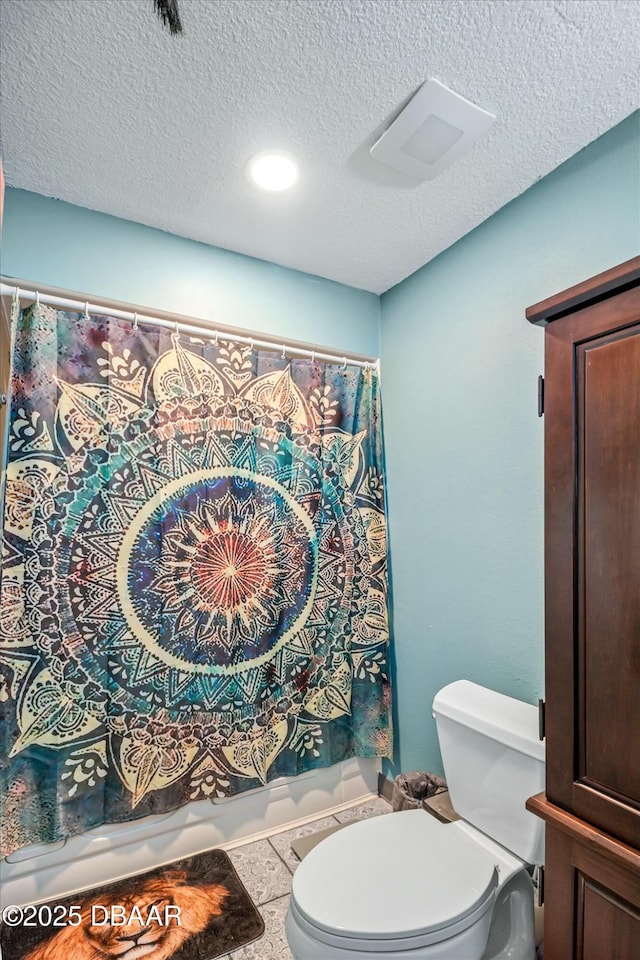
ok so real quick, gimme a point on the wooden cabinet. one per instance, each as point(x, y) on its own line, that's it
point(592, 617)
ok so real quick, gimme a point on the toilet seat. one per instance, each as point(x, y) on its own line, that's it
point(393, 883)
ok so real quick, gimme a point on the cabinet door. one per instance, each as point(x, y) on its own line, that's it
point(592, 905)
point(592, 546)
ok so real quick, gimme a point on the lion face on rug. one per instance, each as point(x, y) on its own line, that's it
point(135, 941)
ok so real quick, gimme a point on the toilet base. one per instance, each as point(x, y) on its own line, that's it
point(512, 934)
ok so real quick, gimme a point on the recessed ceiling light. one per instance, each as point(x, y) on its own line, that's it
point(273, 170)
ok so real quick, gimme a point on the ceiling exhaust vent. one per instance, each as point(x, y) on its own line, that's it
point(435, 127)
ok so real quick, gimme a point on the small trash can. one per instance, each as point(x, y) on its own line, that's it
point(410, 790)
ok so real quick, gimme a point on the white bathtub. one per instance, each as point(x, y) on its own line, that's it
point(118, 850)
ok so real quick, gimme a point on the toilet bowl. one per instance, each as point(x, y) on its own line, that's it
point(407, 885)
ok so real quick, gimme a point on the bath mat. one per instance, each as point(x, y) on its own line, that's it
point(304, 845)
point(138, 917)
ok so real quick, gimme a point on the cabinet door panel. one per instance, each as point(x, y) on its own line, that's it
point(610, 927)
point(609, 563)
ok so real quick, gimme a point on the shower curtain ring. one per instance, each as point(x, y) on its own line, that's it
point(176, 331)
point(86, 310)
point(135, 321)
point(215, 338)
point(313, 356)
point(251, 344)
point(284, 352)
point(344, 364)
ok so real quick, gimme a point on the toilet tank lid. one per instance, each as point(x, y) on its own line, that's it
point(501, 718)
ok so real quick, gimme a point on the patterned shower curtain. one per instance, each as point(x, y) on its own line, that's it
point(194, 584)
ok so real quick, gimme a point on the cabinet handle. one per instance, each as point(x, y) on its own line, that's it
point(540, 395)
point(540, 885)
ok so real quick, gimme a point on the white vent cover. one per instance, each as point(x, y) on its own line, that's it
point(436, 126)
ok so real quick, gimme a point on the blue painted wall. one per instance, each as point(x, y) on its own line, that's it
point(55, 243)
point(463, 439)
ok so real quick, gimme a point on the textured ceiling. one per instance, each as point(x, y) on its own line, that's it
point(102, 107)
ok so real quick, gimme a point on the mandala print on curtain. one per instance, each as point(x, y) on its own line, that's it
point(194, 585)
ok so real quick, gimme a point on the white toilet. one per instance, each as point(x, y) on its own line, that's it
point(406, 885)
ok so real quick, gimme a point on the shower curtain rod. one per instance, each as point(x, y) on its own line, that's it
point(9, 286)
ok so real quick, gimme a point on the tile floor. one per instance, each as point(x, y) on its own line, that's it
point(266, 867)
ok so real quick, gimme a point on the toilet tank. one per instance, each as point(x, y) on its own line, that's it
point(493, 761)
